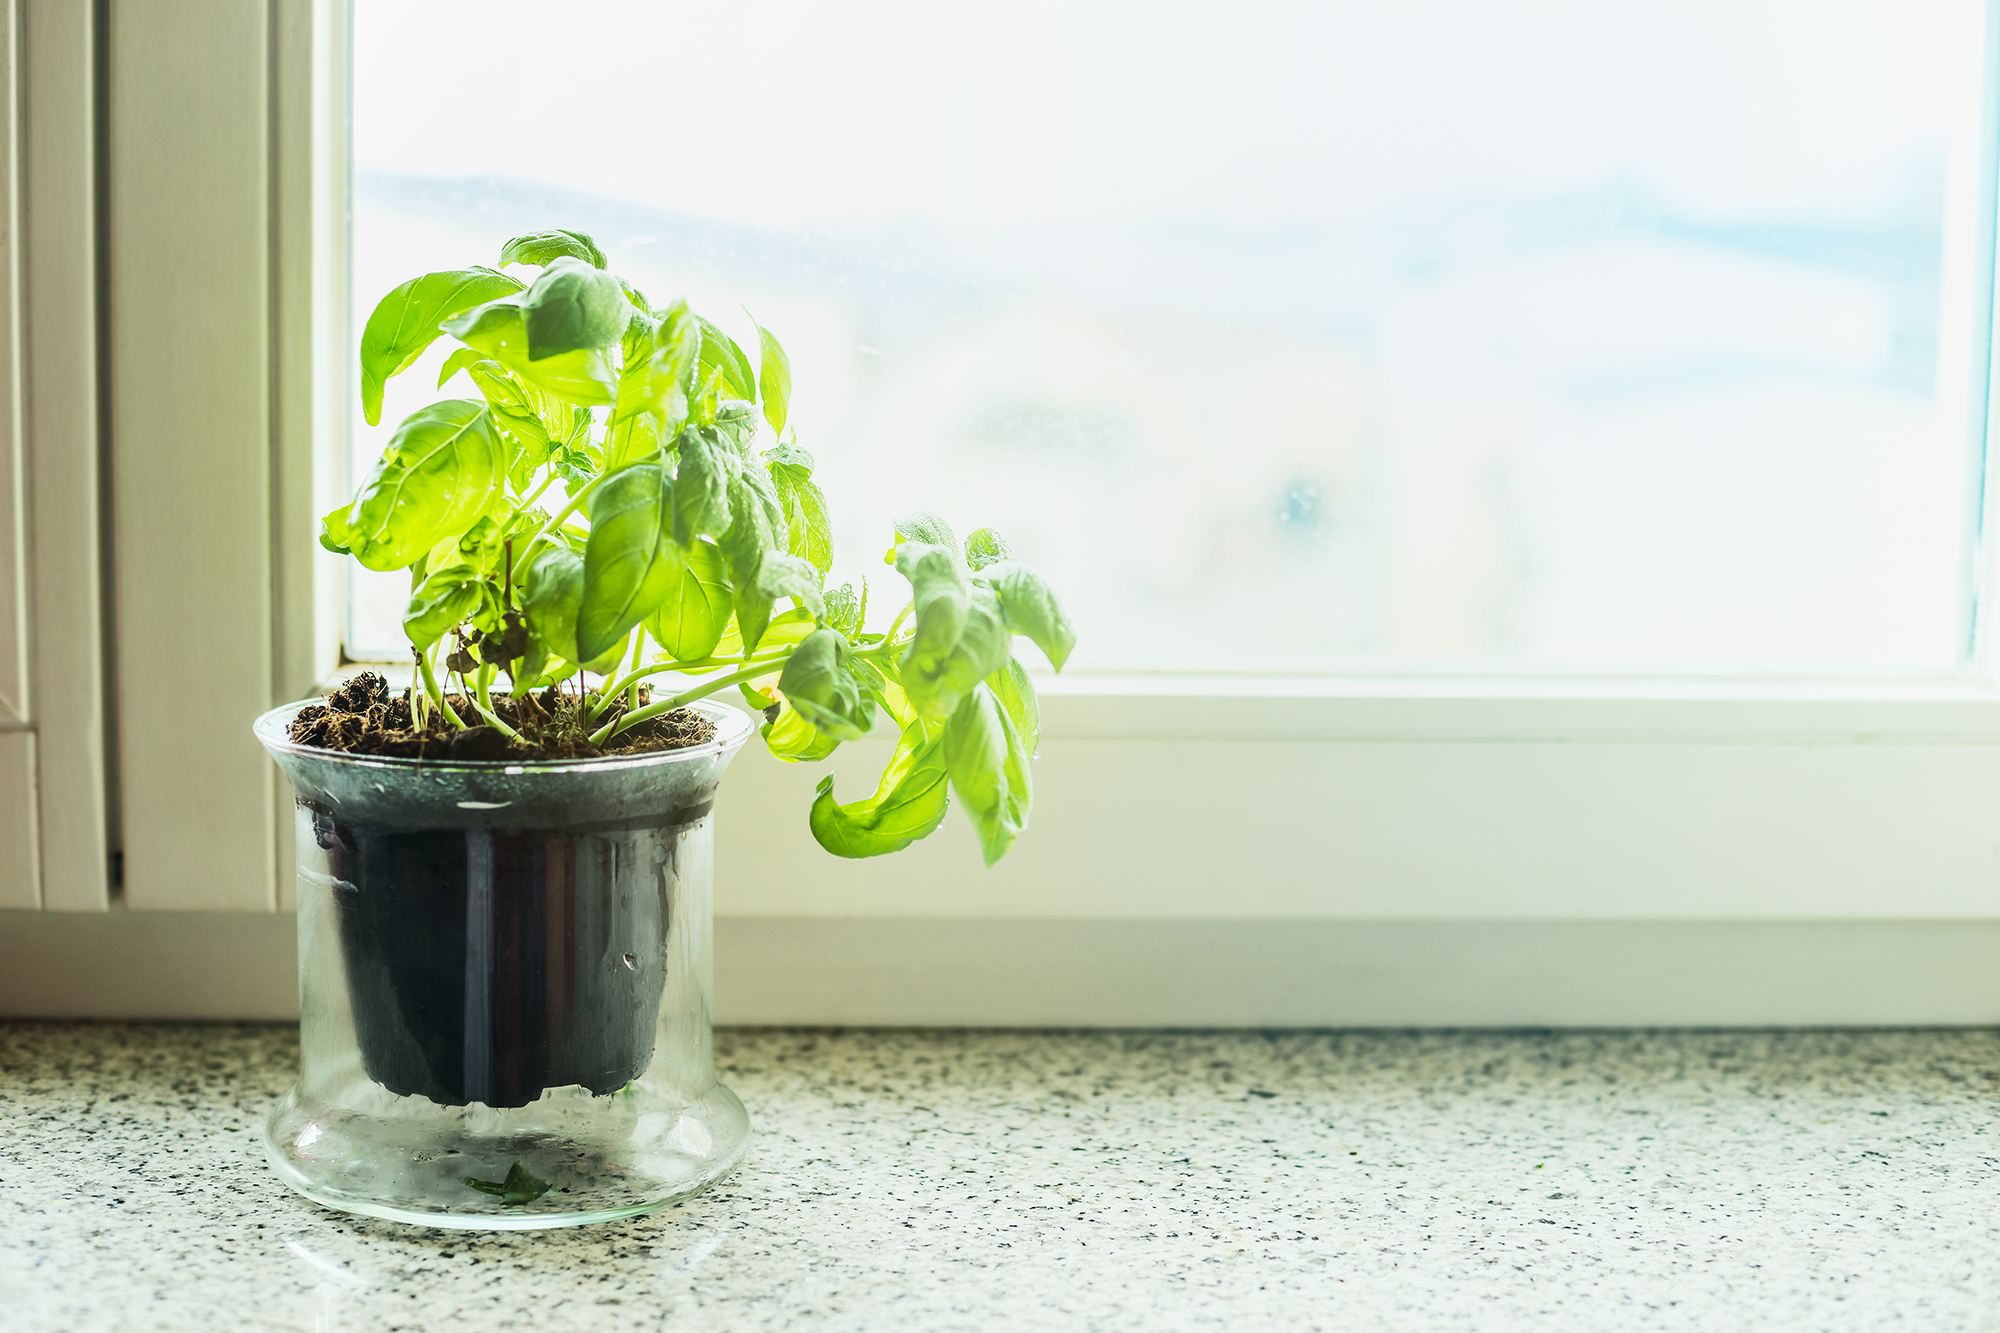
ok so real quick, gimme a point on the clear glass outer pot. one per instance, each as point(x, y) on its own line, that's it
point(505, 969)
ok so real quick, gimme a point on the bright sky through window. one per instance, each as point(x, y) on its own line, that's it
point(1301, 337)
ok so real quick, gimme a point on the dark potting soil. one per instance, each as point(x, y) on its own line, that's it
point(363, 717)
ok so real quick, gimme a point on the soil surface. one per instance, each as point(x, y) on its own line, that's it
point(363, 717)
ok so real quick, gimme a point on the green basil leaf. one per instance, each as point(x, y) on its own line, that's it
point(885, 681)
point(936, 685)
point(531, 671)
point(543, 247)
point(483, 546)
point(783, 575)
point(465, 549)
point(791, 738)
point(720, 355)
point(809, 524)
point(521, 1186)
point(607, 662)
point(690, 622)
point(909, 803)
point(756, 532)
point(926, 527)
point(701, 485)
point(984, 547)
point(630, 563)
point(441, 602)
point(573, 307)
point(1030, 608)
point(784, 629)
point(457, 361)
point(334, 533)
point(444, 466)
point(584, 375)
point(988, 770)
point(632, 440)
point(576, 465)
point(1016, 693)
point(806, 518)
point(635, 344)
point(824, 687)
point(775, 384)
point(736, 424)
point(659, 364)
point(942, 594)
point(406, 321)
point(844, 610)
point(513, 407)
point(942, 598)
point(785, 454)
point(704, 396)
point(552, 590)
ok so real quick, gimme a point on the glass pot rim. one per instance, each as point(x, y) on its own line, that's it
point(732, 729)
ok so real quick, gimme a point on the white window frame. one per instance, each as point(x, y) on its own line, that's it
point(1259, 809)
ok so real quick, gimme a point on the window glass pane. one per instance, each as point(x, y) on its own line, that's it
point(1319, 336)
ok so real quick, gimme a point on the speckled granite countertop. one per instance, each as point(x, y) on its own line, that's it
point(1113, 1181)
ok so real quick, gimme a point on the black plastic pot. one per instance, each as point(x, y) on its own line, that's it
point(489, 965)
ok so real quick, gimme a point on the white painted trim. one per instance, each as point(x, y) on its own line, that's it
point(1220, 829)
point(59, 355)
point(192, 417)
point(982, 973)
point(310, 94)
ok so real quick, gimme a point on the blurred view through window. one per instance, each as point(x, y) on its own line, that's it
point(1299, 337)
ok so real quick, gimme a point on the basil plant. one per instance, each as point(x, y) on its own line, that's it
point(625, 498)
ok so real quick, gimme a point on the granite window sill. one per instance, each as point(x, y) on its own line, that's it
point(1026, 1180)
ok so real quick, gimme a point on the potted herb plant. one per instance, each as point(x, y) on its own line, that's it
point(505, 868)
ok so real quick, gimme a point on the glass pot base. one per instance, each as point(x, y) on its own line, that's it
point(597, 1163)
